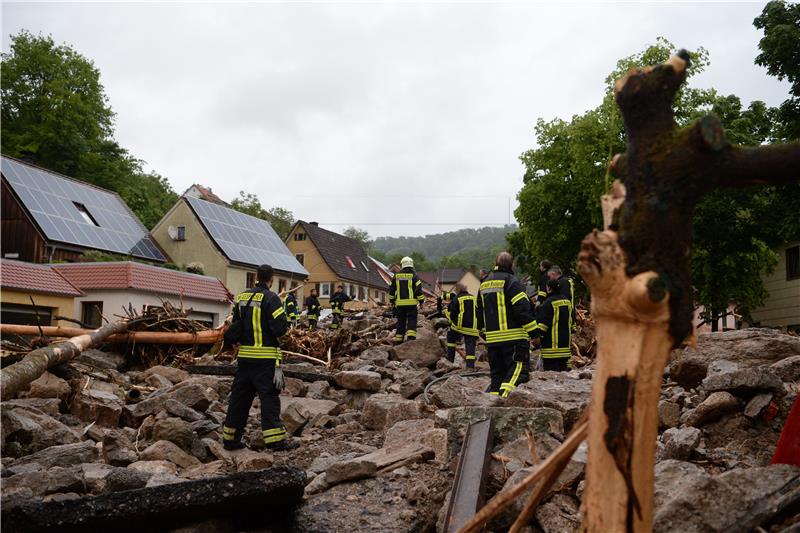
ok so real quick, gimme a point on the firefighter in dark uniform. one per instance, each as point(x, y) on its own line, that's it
point(338, 300)
point(405, 293)
point(463, 323)
point(312, 309)
point(566, 286)
point(506, 319)
point(541, 290)
point(290, 306)
point(259, 320)
point(553, 326)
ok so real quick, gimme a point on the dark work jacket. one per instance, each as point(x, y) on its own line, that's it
point(553, 321)
point(290, 305)
point(338, 300)
point(312, 306)
point(406, 289)
point(462, 314)
point(259, 314)
point(503, 309)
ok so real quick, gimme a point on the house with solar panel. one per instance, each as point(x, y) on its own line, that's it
point(48, 217)
point(230, 245)
point(333, 259)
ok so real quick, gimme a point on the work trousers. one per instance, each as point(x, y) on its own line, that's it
point(509, 365)
point(453, 338)
point(557, 364)
point(406, 322)
point(337, 319)
point(254, 376)
point(312, 323)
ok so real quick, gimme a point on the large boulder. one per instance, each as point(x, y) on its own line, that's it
point(419, 431)
point(788, 369)
point(384, 410)
point(33, 429)
point(62, 455)
point(460, 392)
point(423, 351)
point(164, 450)
point(714, 407)
point(510, 423)
point(680, 443)
point(559, 390)
point(174, 430)
point(49, 386)
point(91, 405)
point(174, 375)
point(746, 381)
point(359, 380)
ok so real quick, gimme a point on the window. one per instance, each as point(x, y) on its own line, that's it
point(92, 314)
point(350, 289)
point(181, 233)
point(350, 262)
point(792, 263)
point(293, 285)
point(383, 297)
point(364, 265)
point(299, 236)
point(363, 293)
point(87, 216)
point(281, 285)
point(325, 290)
point(250, 280)
point(300, 258)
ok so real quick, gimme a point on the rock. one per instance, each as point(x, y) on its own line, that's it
point(714, 407)
point(174, 375)
point(63, 455)
point(679, 443)
point(359, 380)
point(669, 414)
point(384, 410)
point(126, 479)
point(456, 392)
point(745, 381)
point(294, 418)
point(377, 355)
point(202, 427)
point(134, 414)
point(69, 479)
point(164, 450)
point(559, 515)
point(688, 372)
point(103, 408)
point(158, 381)
point(350, 470)
point(193, 393)
point(49, 406)
point(411, 388)
point(721, 366)
point(295, 387)
point(317, 485)
point(206, 470)
point(174, 430)
point(32, 429)
point(49, 386)
point(35, 483)
point(509, 422)
point(117, 450)
point(318, 390)
point(424, 351)
point(162, 478)
point(312, 406)
point(154, 467)
point(757, 404)
point(95, 475)
point(407, 431)
point(99, 359)
point(178, 409)
point(321, 464)
point(557, 390)
point(736, 501)
point(246, 460)
point(788, 369)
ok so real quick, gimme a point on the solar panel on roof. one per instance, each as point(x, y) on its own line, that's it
point(51, 200)
point(245, 239)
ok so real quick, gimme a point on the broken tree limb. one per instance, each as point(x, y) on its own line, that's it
point(638, 274)
point(141, 337)
point(17, 376)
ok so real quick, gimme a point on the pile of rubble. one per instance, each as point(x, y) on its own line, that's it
point(381, 428)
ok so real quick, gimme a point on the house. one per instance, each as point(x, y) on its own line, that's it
point(383, 270)
point(24, 284)
point(204, 193)
point(782, 307)
point(49, 217)
point(228, 244)
point(445, 279)
point(333, 259)
point(108, 288)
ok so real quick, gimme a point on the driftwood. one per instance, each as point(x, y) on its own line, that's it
point(19, 375)
point(638, 274)
point(140, 337)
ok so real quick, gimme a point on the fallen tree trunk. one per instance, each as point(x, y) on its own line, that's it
point(16, 377)
point(248, 498)
point(141, 337)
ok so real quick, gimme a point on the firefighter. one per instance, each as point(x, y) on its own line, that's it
point(463, 323)
point(553, 320)
point(290, 306)
point(541, 290)
point(566, 286)
point(405, 293)
point(506, 320)
point(338, 300)
point(259, 320)
point(312, 309)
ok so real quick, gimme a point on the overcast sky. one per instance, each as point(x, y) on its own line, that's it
point(401, 118)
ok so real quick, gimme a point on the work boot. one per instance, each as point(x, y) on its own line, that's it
point(284, 445)
point(231, 445)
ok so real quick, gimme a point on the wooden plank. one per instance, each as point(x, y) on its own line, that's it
point(470, 480)
point(230, 370)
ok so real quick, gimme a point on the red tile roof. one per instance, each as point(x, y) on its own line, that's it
point(130, 275)
point(41, 279)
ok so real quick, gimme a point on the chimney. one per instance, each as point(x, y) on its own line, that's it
point(314, 223)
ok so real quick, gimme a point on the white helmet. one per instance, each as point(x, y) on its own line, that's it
point(406, 262)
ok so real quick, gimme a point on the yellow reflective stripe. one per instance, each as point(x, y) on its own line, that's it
point(451, 345)
point(257, 339)
point(501, 312)
point(460, 313)
point(495, 393)
point(541, 293)
point(508, 335)
point(470, 357)
point(226, 429)
point(518, 297)
point(277, 312)
point(540, 326)
point(515, 376)
point(472, 332)
point(556, 353)
point(554, 333)
point(273, 431)
point(274, 438)
point(413, 332)
point(530, 326)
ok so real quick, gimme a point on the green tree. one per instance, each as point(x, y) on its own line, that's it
point(360, 235)
point(279, 218)
point(55, 111)
point(780, 54)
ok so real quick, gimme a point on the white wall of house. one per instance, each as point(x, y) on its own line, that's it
point(782, 306)
point(114, 300)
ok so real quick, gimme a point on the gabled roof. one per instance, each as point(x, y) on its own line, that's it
point(383, 270)
point(450, 275)
point(204, 193)
point(30, 277)
point(345, 256)
point(244, 239)
point(69, 211)
point(126, 275)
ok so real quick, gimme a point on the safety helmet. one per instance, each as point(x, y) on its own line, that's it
point(407, 262)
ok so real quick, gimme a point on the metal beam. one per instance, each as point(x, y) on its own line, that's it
point(470, 481)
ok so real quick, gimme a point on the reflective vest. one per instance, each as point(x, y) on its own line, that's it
point(504, 310)
point(263, 321)
point(406, 289)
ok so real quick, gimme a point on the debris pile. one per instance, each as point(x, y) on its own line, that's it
point(381, 427)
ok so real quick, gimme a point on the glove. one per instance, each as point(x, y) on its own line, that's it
point(277, 379)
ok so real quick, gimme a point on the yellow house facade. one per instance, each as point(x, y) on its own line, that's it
point(53, 295)
point(782, 307)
